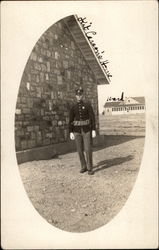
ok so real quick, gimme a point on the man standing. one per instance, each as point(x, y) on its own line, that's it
point(82, 129)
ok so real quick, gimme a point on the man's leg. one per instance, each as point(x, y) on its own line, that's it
point(80, 150)
point(88, 150)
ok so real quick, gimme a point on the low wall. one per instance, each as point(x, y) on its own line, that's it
point(51, 151)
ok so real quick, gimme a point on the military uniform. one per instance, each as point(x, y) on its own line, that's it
point(81, 124)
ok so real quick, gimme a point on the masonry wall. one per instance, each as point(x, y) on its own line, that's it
point(54, 69)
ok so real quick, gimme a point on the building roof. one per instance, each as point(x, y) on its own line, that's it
point(140, 100)
point(112, 104)
point(86, 49)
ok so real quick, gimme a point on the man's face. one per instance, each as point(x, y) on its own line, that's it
point(79, 97)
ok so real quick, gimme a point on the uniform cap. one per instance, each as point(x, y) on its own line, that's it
point(79, 91)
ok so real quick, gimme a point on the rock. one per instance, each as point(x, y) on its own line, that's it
point(84, 205)
point(54, 221)
point(60, 203)
point(95, 199)
point(73, 210)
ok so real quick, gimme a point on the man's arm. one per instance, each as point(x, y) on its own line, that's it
point(92, 118)
point(71, 119)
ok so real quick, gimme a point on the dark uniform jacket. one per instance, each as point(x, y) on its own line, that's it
point(81, 117)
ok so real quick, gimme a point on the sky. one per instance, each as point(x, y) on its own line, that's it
point(127, 32)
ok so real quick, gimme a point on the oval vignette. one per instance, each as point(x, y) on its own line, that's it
point(47, 159)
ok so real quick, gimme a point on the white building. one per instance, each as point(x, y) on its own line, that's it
point(130, 105)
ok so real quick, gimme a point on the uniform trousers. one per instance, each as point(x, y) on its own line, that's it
point(84, 144)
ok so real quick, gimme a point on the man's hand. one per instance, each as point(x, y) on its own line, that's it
point(72, 137)
point(93, 133)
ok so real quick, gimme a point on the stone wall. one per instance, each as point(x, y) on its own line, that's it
point(54, 69)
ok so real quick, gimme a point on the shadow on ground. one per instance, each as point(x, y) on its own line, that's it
point(109, 140)
point(112, 140)
point(111, 162)
point(54, 151)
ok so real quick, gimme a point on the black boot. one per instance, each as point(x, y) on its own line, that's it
point(83, 170)
point(91, 172)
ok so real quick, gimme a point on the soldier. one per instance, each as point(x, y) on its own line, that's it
point(82, 129)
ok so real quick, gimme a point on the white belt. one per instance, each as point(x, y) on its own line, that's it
point(81, 123)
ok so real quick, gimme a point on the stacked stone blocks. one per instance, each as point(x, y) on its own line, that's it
point(54, 69)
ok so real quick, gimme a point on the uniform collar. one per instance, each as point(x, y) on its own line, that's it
point(80, 102)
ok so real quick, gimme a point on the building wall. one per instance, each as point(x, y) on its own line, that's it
point(54, 69)
point(137, 109)
point(108, 111)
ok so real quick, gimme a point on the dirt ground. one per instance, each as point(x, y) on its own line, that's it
point(79, 202)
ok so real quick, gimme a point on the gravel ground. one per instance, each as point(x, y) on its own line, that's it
point(79, 202)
